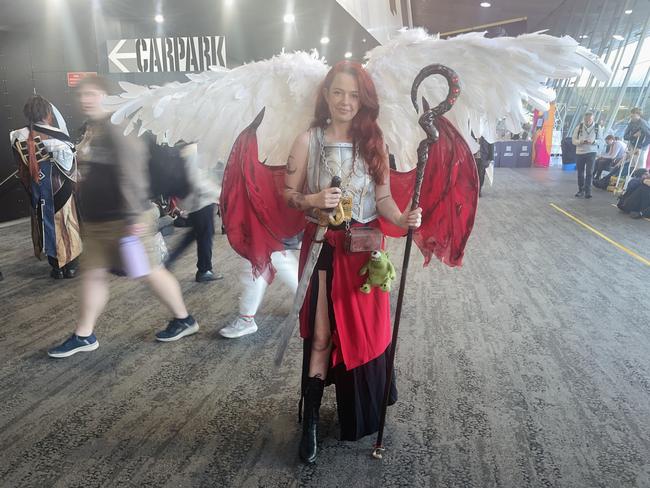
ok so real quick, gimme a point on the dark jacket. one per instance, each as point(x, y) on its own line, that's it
point(636, 198)
point(486, 151)
point(114, 175)
point(640, 126)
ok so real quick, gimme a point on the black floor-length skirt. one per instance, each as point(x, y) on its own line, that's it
point(360, 391)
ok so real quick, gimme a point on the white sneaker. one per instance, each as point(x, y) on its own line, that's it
point(239, 328)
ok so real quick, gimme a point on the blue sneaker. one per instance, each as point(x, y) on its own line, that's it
point(73, 345)
point(177, 329)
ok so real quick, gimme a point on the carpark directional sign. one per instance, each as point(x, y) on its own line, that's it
point(166, 54)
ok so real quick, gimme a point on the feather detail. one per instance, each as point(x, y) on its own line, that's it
point(593, 63)
point(497, 76)
point(215, 106)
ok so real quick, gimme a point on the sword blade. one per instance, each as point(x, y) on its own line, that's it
point(288, 327)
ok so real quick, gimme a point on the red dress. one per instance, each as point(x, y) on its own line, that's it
point(362, 320)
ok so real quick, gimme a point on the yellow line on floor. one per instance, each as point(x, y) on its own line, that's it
point(614, 205)
point(602, 236)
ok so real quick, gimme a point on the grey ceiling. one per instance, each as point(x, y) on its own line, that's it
point(259, 18)
point(445, 15)
point(597, 19)
point(254, 28)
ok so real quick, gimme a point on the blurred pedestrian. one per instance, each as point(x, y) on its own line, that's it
point(118, 228)
point(198, 207)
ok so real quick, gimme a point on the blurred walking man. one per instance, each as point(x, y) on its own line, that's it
point(114, 193)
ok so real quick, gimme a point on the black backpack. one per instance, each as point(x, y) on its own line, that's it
point(167, 171)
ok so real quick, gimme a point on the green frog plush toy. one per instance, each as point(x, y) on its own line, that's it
point(380, 272)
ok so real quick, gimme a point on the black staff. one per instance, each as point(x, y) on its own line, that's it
point(427, 122)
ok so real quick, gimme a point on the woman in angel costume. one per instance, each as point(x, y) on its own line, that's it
point(48, 170)
point(359, 110)
point(346, 331)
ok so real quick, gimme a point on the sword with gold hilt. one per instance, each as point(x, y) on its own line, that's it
point(337, 216)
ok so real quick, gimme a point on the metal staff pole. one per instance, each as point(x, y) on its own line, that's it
point(8, 177)
point(427, 122)
point(619, 189)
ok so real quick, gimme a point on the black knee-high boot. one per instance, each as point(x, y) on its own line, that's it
point(312, 398)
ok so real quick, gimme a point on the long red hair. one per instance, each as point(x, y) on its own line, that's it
point(37, 109)
point(365, 132)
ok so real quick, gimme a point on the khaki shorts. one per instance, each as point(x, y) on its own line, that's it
point(101, 241)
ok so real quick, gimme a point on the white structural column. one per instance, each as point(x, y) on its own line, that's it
point(382, 18)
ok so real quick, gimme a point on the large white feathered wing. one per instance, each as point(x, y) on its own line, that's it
point(497, 76)
point(213, 107)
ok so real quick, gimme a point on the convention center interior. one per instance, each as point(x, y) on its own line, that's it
point(325, 243)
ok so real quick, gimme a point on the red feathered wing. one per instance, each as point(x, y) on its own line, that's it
point(256, 217)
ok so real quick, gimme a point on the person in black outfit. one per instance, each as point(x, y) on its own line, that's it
point(199, 206)
point(637, 132)
point(483, 157)
point(636, 199)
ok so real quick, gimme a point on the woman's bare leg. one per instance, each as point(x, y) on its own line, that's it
point(321, 344)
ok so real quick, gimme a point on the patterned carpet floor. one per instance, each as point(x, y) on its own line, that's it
point(527, 367)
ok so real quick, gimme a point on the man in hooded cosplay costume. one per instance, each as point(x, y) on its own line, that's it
point(48, 169)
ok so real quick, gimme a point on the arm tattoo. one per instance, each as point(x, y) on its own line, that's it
point(291, 168)
point(382, 199)
point(296, 200)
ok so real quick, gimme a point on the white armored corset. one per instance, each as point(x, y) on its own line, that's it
point(329, 159)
